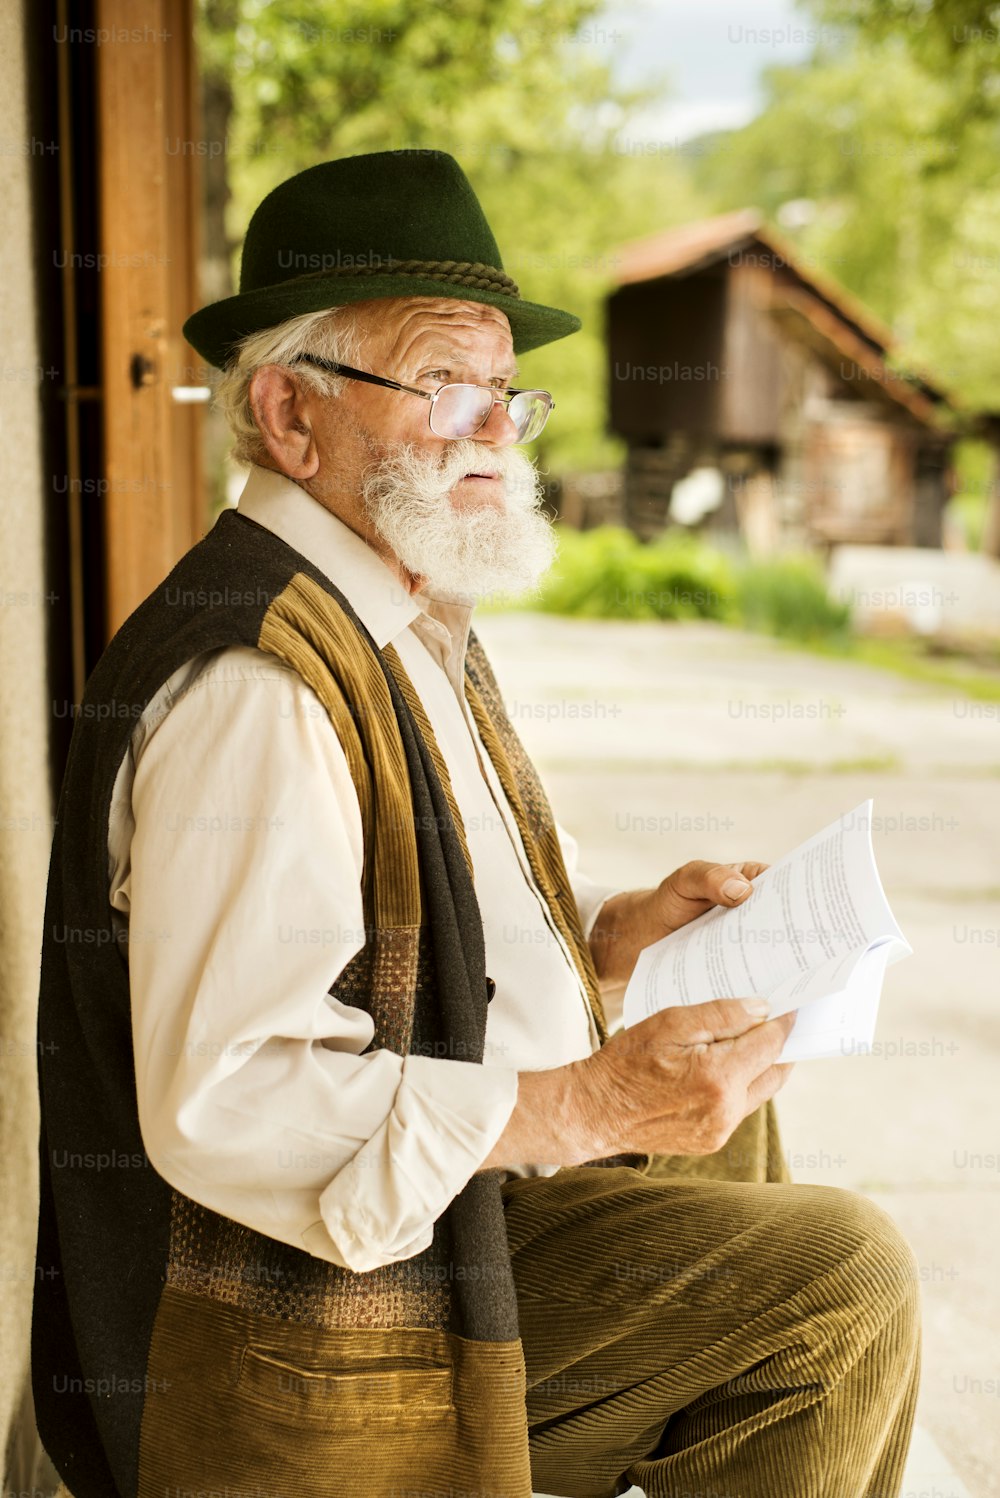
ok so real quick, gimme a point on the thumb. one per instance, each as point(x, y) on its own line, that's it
point(717, 883)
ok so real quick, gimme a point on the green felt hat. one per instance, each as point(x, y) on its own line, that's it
point(394, 223)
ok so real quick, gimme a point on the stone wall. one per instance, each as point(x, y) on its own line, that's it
point(25, 801)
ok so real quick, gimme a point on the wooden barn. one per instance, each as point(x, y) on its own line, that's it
point(769, 388)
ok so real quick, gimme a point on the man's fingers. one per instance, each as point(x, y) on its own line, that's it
point(750, 1052)
point(760, 1048)
point(718, 1019)
point(766, 1085)
point(754, 1051)
point(739, 1026)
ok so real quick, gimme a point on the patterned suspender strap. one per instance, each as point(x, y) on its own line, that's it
point(533, 815)
point(422, 721)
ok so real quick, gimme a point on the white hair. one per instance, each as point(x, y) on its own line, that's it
point(331, 333)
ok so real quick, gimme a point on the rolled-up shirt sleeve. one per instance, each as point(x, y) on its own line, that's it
point(244, 903)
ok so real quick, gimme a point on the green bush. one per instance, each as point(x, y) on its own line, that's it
point(788, 597)
point(608, 574)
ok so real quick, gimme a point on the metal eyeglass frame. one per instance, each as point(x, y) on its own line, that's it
point(503, 396)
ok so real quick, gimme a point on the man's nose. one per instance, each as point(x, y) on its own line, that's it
point(498, 429)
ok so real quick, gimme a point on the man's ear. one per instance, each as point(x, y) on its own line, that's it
point(280, 410)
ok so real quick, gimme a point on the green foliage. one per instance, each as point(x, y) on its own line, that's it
point(607, 573)
point(788, 597)
point(517, 92)
point(878, 157)
point(975, 480)
point(877, 161)
point(954, 39)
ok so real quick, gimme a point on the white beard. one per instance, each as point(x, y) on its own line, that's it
point(473, 553)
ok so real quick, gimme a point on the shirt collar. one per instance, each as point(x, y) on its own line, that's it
point(372, 589)
point(374, 592)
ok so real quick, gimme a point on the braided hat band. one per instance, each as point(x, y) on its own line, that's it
point(455, 272)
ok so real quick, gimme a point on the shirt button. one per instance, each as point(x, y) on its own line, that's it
point(491, 989)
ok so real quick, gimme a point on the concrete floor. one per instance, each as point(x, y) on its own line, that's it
point(661, 743)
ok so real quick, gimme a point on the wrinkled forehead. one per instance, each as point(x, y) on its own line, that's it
point(411, 330)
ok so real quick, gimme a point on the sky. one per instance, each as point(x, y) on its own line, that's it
point(710, 52)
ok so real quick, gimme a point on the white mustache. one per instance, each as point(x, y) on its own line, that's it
point(471, 552)
point(467, 457)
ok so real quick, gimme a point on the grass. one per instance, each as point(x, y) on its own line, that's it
point(917, 661)
point(877, 764)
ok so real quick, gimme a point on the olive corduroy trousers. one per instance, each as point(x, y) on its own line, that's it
point(709, 1330)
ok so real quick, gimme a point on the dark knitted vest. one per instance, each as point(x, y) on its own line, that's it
point(176, 1351)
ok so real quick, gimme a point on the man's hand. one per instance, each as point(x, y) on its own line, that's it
point(678, 1083)
point(629, 922)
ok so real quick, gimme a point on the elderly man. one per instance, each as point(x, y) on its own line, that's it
point(345, 1186)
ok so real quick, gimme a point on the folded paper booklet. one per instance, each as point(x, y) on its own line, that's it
point(816, 935)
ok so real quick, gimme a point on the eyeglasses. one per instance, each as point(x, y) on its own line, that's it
point(459, 410)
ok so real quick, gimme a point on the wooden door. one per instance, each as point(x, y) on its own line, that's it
point(148, 150)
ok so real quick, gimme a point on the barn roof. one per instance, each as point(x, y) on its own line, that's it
point(813, 304)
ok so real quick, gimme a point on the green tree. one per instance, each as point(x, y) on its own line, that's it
point(520, 93)
point(854, 159)
point(955, 40)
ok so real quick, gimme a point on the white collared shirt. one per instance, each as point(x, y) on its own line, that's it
point(235, 858)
